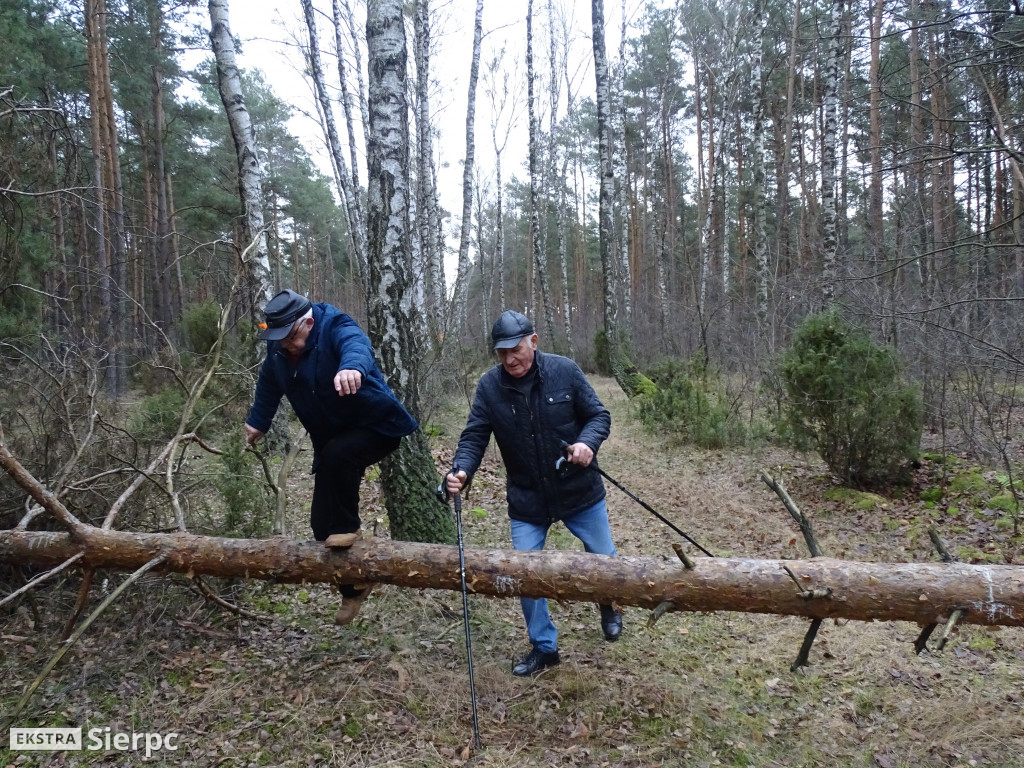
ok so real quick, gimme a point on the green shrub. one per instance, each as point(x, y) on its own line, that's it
point(248, 503)
point(691, 402)
point(846, 397)
point(160, 413)
point(201, 322)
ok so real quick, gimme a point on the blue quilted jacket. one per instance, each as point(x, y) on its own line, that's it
point(335, 343)
point(562, 408)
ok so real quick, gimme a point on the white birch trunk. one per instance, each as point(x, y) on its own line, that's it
point(250, 175)
point(407, 475)
point(538, 256)
point(619, 170)
point(349, 195)
point(346, 98)
point(467, 172)
point(760, 233)
point(830, 140)
point(603, 98)
point(429, 265)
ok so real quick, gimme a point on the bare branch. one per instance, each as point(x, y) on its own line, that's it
point(42, 577)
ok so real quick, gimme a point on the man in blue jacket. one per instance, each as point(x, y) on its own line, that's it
point(319, 359)
point(540, 408)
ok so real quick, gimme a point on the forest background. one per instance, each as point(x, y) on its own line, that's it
point(761, 163)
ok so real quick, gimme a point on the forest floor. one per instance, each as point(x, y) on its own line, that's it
point(391, 689)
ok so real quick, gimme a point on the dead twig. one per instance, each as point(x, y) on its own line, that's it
point(41, 578)
point(43, 497)
point(954, 619)
point(805, 648)
point(940, 546)
point(794, 511)
point(687, 562)
point(213, 597)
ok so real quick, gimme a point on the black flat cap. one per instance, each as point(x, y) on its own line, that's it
point(282, 311)
point(509, 329)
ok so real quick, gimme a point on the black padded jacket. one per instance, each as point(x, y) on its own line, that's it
point(531, 434)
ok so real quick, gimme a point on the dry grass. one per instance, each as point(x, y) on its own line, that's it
point(391, 689)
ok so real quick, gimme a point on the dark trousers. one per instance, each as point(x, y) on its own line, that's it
point(342, 462)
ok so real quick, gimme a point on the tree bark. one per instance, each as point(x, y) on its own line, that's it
point(919, 592)
point(539, 260)
point(829, 143)
point(349, 193)
point(619, 353)
point(430, 252)
point(408, 475)
point(250, 174)
point(460, 301)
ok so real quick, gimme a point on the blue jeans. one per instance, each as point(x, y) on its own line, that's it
point(589, 526)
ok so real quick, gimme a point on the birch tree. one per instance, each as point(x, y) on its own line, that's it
point(619, 353)
point(459, 293)
point(540, 263)
point(829, 148)
point(427, 219)
point(408, 475)
point(503, 95)
point(250, 175)
point(349, 194)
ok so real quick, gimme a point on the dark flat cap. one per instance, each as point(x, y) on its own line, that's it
point(282, 311)
point(509, 329)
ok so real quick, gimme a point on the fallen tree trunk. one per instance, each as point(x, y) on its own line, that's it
point(926, 593)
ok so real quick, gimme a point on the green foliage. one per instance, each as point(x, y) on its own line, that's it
point(248, 508)
point(201, 323)
point(692, 402)
point(846, 397)
point(160, 413)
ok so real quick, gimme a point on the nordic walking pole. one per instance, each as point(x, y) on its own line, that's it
point(465, 609)
point(560, 464)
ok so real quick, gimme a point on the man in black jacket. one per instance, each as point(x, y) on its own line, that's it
point(540, 407)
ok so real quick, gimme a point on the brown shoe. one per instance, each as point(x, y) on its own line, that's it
point(350, 605)
point(341, 540)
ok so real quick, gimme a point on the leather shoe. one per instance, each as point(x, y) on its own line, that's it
point(350, 605)
point(535, 661)
point(341, 540)
point(611, 623)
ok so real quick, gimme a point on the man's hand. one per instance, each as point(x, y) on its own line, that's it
point(252, 435)
point(579, 453)
point(347, 382)
point(455, 482)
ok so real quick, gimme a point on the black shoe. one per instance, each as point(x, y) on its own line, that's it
point(611, 623)
point(534, 662)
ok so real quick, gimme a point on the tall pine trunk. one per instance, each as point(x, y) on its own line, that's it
point(109, 216)
point(408, 475)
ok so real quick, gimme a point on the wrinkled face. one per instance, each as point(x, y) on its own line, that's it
point(518, 360)
point(295, 341)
